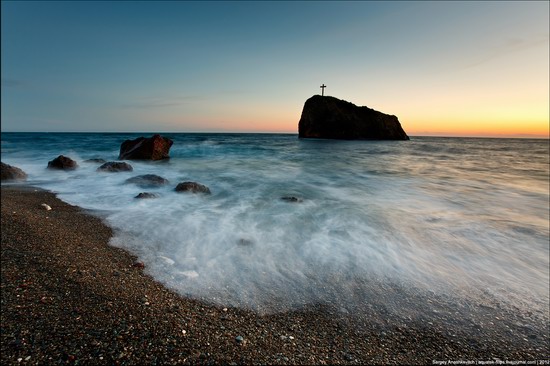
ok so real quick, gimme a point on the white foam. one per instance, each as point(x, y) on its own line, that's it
point(359, 222)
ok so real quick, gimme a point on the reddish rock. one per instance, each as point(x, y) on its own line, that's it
point(62, 163)
point(143, 148)
point(9, 172)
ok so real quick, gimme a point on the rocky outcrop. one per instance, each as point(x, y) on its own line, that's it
point(148, 180)
point(332, 118)
point(145, 195)
point(115, 166)
point(143, 148)
point(192, 187)
point(9, 172)
point(62, 163)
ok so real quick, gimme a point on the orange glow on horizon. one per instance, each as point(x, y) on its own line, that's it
point(482, 129)
point(480, 133)
point(478, 124)
point(273, 121)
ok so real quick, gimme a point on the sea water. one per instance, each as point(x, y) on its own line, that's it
point(376, 223)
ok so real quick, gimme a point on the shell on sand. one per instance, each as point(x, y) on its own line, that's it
point(47, 207)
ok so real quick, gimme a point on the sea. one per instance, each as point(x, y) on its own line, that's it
point(433, 228)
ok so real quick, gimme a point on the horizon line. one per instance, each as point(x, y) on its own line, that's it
point(496, 136)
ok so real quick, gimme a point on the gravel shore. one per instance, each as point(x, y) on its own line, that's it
point(69, 297)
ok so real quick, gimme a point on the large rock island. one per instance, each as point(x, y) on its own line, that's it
point(333, 118)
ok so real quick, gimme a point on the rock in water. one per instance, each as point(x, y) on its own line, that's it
point(147, 180)
point(332, 118)
point(292, 199)
point(192, 187)
point(9, 172)
point(143, 148)
point(115, 166)
point(62, 163)
point(143, 195)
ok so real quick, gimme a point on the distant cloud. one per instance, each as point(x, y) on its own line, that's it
point(159, 102)
point(11, 83)
point(511, 45)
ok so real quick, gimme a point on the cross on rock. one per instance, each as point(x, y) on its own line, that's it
point(323, 89)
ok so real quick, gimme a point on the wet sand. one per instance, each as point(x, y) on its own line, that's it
point(67, 296)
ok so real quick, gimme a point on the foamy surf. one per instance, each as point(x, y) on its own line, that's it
point(373, 223)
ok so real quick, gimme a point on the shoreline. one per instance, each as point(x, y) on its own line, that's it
point(70, 297)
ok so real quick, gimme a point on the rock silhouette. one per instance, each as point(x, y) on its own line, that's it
point(333, 118)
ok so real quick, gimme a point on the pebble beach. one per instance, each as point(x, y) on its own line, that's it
point(68, 297)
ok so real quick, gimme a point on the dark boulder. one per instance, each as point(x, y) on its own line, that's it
point(147, 180)
point(146, 195)
point(156, 147)
point(9, 172)
point(192, 187)
point(332, 118)
point(62, 163)
point(115, 166)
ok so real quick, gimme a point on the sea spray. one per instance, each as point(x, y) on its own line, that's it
point(377, 223)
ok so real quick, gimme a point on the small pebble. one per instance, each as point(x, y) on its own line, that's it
point(47, 207)
point(239, 339)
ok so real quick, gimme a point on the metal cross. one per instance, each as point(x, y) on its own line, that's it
point(323, 89)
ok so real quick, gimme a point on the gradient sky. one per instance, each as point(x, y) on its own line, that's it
point(444, 68)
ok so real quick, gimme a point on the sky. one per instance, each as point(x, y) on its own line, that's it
point(443, 68)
